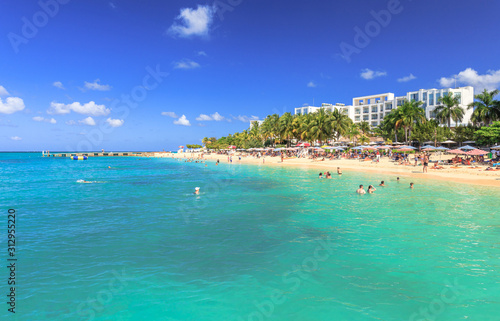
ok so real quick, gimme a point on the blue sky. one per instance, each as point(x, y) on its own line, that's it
point(152, 75)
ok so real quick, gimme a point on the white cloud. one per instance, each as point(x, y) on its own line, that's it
point(216, 116)
point(3, 91)
point(370, 74)
point(202, 53)
point(112, 5)
point(183, 121)
point(11, 105)
point(40, 118)
point(71, 122)
point(246, 119)
point(16, 138)
point(407, 78)
point(311, 84)
point(193, 22)
point(186, 64)
point(115, 122)
point(169, 114)
point(90, 108)
point(58, 84)
point(96, 86)
point(203, 117)
point(470, 77)
point(87, 121)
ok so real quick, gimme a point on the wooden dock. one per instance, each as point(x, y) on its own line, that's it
point(99, 154)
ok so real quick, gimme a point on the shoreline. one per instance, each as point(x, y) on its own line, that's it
point(460, 175)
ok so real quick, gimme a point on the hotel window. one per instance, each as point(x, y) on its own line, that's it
point(400, 102)
point(357, 111)
point(374, 109)
point(305, 111)
point(425, 96)
point(361, 102)
point(357, 118)
point(365, 117)
point(374, 123)
point(414, 97)
point(374, 116)
point(366, 110)
point(388, 106)
point(431, 99)
point(438, 96)
point(459, 96)
point(381, 116)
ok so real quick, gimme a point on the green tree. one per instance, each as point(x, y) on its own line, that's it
point(364, 128)
point(340, 124)
point(320, 127)
point(488, 135)
point(449, 109)
point(485, 107)
point(407, 115)
point(286, 127)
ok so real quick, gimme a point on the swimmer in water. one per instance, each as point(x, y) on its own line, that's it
point(339, 171)
point(197, 191)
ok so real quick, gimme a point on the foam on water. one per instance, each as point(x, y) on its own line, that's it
point(258, 243)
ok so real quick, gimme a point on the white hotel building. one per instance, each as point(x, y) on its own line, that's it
point(373, 109)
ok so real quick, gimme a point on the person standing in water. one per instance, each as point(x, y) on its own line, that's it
point(339, 171)
point(361, 190)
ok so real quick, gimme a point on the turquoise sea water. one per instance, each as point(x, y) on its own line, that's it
point(258, 243)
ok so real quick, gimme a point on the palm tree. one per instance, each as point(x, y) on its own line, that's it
point(286, 127)
point(352, 133)
point(321, 126)
point(449, 109)
point(485, 107)
point(408, 115)
point(340, 123)
point(364, 127)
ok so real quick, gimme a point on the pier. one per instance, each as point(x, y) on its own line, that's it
point(101, 154)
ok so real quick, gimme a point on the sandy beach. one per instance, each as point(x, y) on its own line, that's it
point(461, 174)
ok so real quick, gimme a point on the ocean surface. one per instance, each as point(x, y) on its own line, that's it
point(258, 243)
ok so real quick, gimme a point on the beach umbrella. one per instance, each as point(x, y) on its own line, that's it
point(404, 149)
point(278, 149)
point(357, 148)
point(442, 148)
point(428, 147)
point(406, 146)
point(470, 142)
point(456, 151)
point(448, 142)
point(467, 147)
point(303, 144)
point(476, 152)
point(495, 147)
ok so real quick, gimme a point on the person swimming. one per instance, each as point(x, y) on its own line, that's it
point(381, 183)
point(361, 190)
point(371, 189)
point(196, 191)
point(411, 185)
point(320, 175)
point(339, 171)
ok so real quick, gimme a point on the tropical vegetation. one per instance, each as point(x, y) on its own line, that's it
point(407, 123)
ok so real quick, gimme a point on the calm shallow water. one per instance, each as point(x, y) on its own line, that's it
point(259, 243)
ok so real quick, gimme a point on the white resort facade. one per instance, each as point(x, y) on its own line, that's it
point(374, 108)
